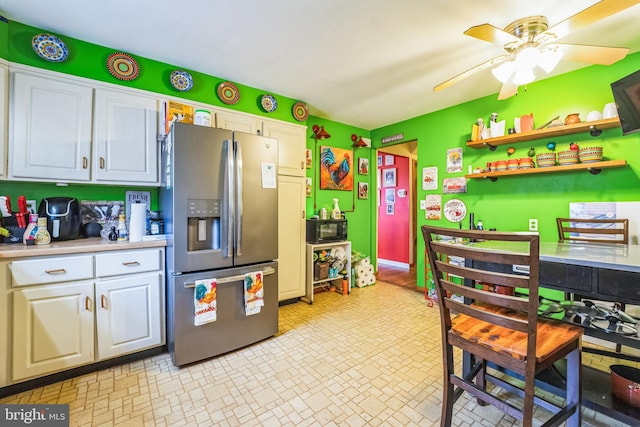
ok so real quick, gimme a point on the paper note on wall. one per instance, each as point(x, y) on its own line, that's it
point(268, 175)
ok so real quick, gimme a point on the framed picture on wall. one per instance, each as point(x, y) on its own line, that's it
point(379, 160)
point(363, 166)
point(389, 177)
point(390, 209)
point(309, 158)
point(390, 195)
point(363, 190)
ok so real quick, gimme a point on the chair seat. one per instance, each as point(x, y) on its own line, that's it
point(553, 336)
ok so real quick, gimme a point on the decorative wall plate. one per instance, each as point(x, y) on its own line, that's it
point(300, 111)
point(269, 103)
point(181, 80)
point(123, 66)
point(455, 210)
point(49, 47)
point(228, 93)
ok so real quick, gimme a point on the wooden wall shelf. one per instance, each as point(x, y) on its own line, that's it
point(593, 168)
point(594, 127)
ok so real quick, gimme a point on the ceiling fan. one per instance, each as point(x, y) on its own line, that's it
point(530, 43)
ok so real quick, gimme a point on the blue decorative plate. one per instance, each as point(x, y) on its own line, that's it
point(269, 103)
point(181, 80)
point(49, 47)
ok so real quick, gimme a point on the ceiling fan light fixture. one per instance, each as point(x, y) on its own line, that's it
point(548, 59)
point(504, 71)
point(523, 75)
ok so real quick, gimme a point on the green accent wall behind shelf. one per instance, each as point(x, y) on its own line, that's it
point(508, 203)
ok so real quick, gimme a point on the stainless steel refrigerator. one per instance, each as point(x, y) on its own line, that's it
point(219, 199)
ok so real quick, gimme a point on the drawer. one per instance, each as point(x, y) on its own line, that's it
point(621, 286)
point(128, 262)
point(567, 277)
point(51, 270)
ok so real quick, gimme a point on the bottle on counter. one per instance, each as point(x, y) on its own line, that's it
point(29, 236)
point(42, 235)
point(123, 233)
point(335, 212)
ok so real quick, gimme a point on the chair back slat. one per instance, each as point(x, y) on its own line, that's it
point(514, 323)
point(502, 279)
point(593, 230)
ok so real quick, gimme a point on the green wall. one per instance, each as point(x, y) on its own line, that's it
point(508, 203)
point(358, 211)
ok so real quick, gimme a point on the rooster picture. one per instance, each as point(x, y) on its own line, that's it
point(336, 171)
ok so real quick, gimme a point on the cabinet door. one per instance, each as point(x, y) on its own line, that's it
point(126, 147)
point(50, 136)
point(238, 122)
point(4, 102)
point(291, 146)
point(128, 314)
point(52, 328)
point(291, 237)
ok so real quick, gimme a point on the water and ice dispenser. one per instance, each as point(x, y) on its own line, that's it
point(203, 224)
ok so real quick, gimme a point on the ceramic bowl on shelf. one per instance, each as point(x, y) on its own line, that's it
point(546, 159)
point(569, 157)
point(512, 164)
point(590, 154)
point(525, 163)
point(501, 165)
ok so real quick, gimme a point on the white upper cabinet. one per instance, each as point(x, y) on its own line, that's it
point(4, 114)
point(291, 146)
point(238, 122)
point(126, 128)
point(69, 129)
point(50, 131)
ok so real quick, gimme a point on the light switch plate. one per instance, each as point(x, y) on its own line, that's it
point(423, 204)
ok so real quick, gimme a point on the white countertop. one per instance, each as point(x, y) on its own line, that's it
point(92, 244)
point(613, 256)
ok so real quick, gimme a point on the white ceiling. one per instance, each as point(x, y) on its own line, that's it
point(366, 63)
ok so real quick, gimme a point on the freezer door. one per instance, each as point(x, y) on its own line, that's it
point(256, 222)
point(232, 329)
point(196, 198)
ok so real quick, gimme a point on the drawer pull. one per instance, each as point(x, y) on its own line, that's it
point(103, 301)
point(131, 263)
point(87, 303)
point(85, 162)
point(56, 271)
point(101, 162)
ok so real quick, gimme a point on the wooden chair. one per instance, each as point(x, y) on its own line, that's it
point(501, 334)
point(593, 230)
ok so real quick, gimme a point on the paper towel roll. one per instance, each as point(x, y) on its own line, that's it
point(362, 282)
point(369, 269)
point(365, 261)
point(361, 270)
point(372, 279)
point(137, 222)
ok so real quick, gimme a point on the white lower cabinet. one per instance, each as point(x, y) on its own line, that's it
point(127, 314)
point(74, 310)
point(53, 328)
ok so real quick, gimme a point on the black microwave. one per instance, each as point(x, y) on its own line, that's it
point(326, 230)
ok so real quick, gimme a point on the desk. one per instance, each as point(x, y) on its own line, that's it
point(602, 272)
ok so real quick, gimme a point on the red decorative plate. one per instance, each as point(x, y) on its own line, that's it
point(300, 111)
point(123, 66)
point(228, 93)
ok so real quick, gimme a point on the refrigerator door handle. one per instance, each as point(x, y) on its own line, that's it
point(228, 189)
point(266, 272)
point(239, 199)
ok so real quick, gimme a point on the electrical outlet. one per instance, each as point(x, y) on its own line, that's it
point(533, 225)
point(31, 206)
point(423, 204)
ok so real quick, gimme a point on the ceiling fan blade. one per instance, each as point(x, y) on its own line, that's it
point(507, 90)
point(469, 72)
point(601, 55)
point(588, 16)
point(491, 34)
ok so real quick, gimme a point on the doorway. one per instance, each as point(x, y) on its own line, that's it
point(396, 226)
